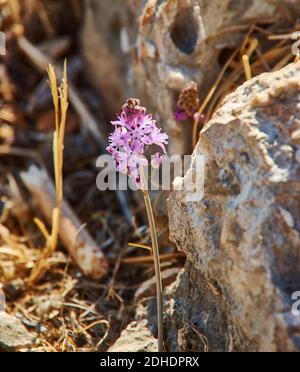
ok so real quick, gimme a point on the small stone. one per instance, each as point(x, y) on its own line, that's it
point(2, 299)
point(135, 338)
point(296, 136)
point(298, 156)
point(288, 218)
point(13, 335)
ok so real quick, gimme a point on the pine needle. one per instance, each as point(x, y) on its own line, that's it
point(142, 246)
point(247, 67)
point(210, 95)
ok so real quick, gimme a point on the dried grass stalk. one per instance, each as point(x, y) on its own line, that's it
point(51, 202)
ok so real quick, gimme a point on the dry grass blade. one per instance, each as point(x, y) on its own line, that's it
point(257, 55)
point(142, 246)
point(210, 95)
point(149, 259)
point(247, 67)
point(60, 102)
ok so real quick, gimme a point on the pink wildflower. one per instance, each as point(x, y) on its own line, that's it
point(135, 130)
point(180, 115)
point(157, 160)
point(199, 118)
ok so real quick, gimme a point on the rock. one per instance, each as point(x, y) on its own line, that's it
point(2, 299)
point(243, 238)
point(138, 336)
point(153, 48)
point(296, 137)
point(141, 334)
point(181, 41)
point(148, 288)
point(182, 330)
point(298, 156)
point(13, 335)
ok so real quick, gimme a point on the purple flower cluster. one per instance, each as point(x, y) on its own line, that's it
point(181, 115)
point(135, 130)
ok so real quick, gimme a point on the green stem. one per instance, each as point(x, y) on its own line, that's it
point(155, 252)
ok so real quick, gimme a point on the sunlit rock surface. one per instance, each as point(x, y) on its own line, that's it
point(243, 238)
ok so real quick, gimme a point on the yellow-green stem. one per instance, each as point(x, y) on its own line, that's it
point(155, 252)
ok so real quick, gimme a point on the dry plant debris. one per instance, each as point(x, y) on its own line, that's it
point(60, 101)
point(63, 309)
point(263, 50)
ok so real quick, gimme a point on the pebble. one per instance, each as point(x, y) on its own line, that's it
point(13, 335)
point(298, 156)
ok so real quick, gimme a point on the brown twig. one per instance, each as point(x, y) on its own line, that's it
point(149, 259)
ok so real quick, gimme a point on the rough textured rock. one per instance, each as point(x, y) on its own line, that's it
point(13, 335)
point(181, 41)
point(173, 43)
point(148, 288)
point(195, 320)
point(141, 334)
point(138, 336)
point(243, 238)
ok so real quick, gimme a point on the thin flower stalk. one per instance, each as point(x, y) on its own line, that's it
point(157, 268)
point(134, 132)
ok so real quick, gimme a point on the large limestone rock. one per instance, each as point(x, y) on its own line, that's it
point(243, 238)
point(181, 41)
point(153, 48)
